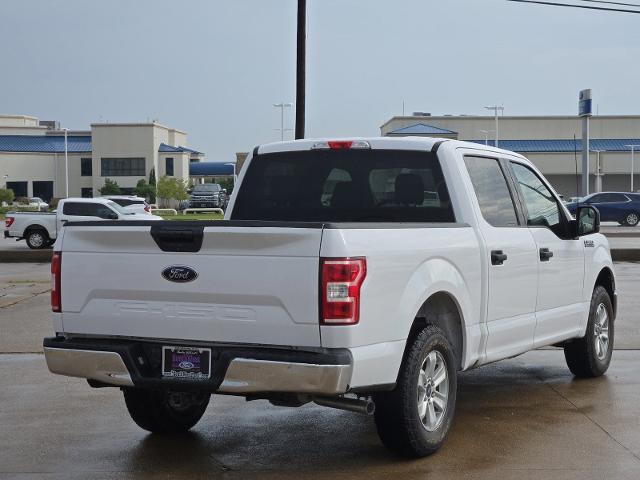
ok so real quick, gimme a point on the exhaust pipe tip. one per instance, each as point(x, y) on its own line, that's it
point(365, 406)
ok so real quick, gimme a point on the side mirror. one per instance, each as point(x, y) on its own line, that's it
point(112, 216)
point(587, 220)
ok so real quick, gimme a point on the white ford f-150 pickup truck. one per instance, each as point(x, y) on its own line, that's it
point(40, 230)
point(358, 274)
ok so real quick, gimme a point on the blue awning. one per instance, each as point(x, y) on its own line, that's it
point(210, 169)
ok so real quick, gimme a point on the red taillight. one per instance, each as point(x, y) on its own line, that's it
point(340, 282)
point(8, 221)
point(56, 265)
point(147, 208)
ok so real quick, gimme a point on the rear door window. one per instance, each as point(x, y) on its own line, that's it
point(492, 192)
point(345, 186)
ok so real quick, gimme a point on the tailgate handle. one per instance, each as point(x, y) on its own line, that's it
point(178, 238)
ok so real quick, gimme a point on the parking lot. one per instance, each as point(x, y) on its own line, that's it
point(521, 418)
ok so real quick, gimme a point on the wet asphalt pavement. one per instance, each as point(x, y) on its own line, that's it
point(524, 418)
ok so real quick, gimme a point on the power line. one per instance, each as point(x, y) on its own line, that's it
point(612, 3)
point(588, 7)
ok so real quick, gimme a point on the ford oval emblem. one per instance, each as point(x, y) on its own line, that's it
point(186, 365)
point(179, 274)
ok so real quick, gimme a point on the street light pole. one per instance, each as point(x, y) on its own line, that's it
point(486, 135)
point(282, 106)
point(235, 177)
point(598, 186)
point(495, 109)
point(66, 164)
point(632, 166)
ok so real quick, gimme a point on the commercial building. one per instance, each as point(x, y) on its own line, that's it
point(548, 141)
point(32, 156)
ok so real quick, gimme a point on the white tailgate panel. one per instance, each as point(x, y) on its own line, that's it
point(254, 285)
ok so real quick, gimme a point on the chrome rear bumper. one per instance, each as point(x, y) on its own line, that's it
point(243, 375)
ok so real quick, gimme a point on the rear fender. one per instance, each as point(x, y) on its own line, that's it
point(434, 276)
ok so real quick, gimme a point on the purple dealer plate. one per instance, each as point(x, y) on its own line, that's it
point(186, 363)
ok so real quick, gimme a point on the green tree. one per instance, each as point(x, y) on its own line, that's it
point(152, 185)
point(143, 189)
point(110, 187)
point(227, 184)
point(6, 195)
point(165, 189)
point(181, 187)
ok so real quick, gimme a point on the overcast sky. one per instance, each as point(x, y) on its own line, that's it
point(214, 68)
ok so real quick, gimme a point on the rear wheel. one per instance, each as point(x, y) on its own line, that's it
point(631, 219)
point(590, 355)
point(413, 420)
point(165, 411)
point(37, 239)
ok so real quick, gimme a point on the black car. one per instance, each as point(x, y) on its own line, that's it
point(621, 207)
point(208, 195)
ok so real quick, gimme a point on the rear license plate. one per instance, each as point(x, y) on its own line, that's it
point(187, 363)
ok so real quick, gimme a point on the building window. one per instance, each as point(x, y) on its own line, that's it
point(87, 192)
point(169, 166)
point(86, 168)
point(122, 167)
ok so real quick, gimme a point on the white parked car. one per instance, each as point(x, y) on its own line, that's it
point(39, 203)
point(40, 230)
point(357, 274)
point(131, 203)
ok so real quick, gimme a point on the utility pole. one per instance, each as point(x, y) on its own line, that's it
point(282, 106)
point(300, 68)
point(495, 109)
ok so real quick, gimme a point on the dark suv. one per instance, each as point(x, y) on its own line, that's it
point(208, 195)
point(621, 207)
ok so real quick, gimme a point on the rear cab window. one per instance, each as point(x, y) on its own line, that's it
point(345, 186)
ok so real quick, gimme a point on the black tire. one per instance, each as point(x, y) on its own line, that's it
point(631, 219)
point(37, 239)
point(397, 416)
point(584, 357)
point(164, 411)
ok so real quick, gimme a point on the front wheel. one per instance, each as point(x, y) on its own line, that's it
point(165, 411)
point(590, 355)
point(413, 420)
point(631, 219)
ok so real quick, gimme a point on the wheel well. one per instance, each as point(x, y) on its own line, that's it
point(606, 280)
point(441, 310)
point(31, 228)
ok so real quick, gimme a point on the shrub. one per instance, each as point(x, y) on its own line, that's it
point(110, 187)
point(6, 195)
point(143, 189)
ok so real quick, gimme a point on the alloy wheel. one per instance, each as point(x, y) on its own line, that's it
point(601, 332)
point(433, 391)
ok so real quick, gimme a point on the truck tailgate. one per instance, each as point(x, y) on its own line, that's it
point(254, 284)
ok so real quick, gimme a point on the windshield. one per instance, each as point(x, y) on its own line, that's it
point(210, 187)
point(345, 186)
point(117, 208)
